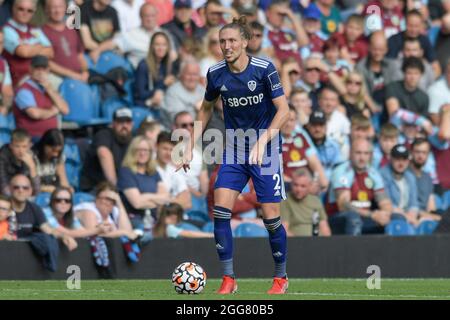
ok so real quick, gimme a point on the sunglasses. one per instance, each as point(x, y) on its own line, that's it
point(312, 69)
point(22, 9)
point(17, 187)
point(186, 125)
point(61, 200)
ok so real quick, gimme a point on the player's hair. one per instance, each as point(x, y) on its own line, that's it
point(241, 25)
point(20, 135)
point(360, 121)
point(165, 137)
point(418, 142)
point(146, 126)
point(413, 63)
point(388, 130)
point(130, 159)
point(356, 18)
point(159, 230)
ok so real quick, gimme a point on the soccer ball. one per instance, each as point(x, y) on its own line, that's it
point(189, 278)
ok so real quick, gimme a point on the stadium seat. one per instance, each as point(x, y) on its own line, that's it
point(433, 33)
point(446, 200)
point(83, 109)
point(109, 60)
point(426, 227)
point(188, 226)
point(208, 227)
point(438, 202)
point(73, 163)
point(399, 228)
point(139, 115)
point(129, 86)
point(43, 199)
point(250, 230)
point(7, 125)
point(197, 216)
point(81, 197)
point(109, 106)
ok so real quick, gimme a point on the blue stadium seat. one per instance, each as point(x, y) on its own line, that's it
point(109, 106)
point(426, 227)
point(250, 230)
point(139, 115)
point(129, 87)
point(83, 109)
point(399, 228)
point(438, 202)
point(208, 227)
point(188, 226)
point(73, 163)
point(446, 200)
point(80, 197)
point(43, 199)
point(197, 216)
point(7, 125)
point(109, 60)
point(433, 33)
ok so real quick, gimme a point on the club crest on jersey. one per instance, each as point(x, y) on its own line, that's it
point(251, 85)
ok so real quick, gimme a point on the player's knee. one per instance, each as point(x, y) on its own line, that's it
point(221, 213)
point(273, 225)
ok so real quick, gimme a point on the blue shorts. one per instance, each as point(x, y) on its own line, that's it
point(268, 182)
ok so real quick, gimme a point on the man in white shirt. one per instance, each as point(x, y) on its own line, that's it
point(135, 42)
point(439, 94)
point(175, 182)
point(128, 12)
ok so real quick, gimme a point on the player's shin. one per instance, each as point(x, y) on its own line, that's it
point(224, 239)
point(278, 244)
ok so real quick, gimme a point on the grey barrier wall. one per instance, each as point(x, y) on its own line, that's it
point(335, 257)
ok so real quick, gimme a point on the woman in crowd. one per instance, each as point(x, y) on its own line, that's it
point(211, 51)
point(49, 158)
point(140, 185)
point(154, 73)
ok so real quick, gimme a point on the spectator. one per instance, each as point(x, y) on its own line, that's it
point(412, 48)
point(441, 150)
point(328, 149)
point(187, 93)
point(211, 53)
point(254, 47)
point(37, 103)
point(333, 60)
point(442, 45)
point(135, 42)
point(401, 185)
point(310, 81)
point(165, 10)
point(22, 41)
point(300, 100)
point(68, 60)
point(6, 232)
point(197, 176)
point(388, 138)
point(6, 90)
point(105, 154)
point(128, 13)
point(286, 43)
point(166, 226)
point(248, 9)
point(359, 201)
point(389, 18)
point(216, 15)
point(331, 17)
point(415, 27)
point(17, 158)
point(154, 73)
point(174, 182)
point(312, 25)
point(31, 222)
point(150, 129)
point(338, 125)
point(99, 25)
point(298, 211)
point(361, 128)
point(61, 218)
point(182, 26)
point(298, 153)
point(109, 212)
point(352, 43)
point(377, 70)
point(406, 94)
point(50, 160)
point(439, 95)
point(140, 186)
point(420, 152)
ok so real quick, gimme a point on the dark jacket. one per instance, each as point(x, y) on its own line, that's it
point(178, 33)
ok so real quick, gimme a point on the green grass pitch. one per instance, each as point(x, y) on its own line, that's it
point(252, 289)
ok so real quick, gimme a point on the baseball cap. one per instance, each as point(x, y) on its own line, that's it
point(312, 12)
point(123, 113)
point(317, 117)
point(400, 151)
point(39, 61)
point(183, 4)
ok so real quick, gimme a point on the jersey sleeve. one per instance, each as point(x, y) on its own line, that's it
point(272, 82)
point(340, 179)
point(377, 180)
point(212, 92)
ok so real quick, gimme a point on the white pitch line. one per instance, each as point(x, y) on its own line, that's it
point(354, 295)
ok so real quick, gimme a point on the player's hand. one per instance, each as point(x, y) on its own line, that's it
point(257, 153)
